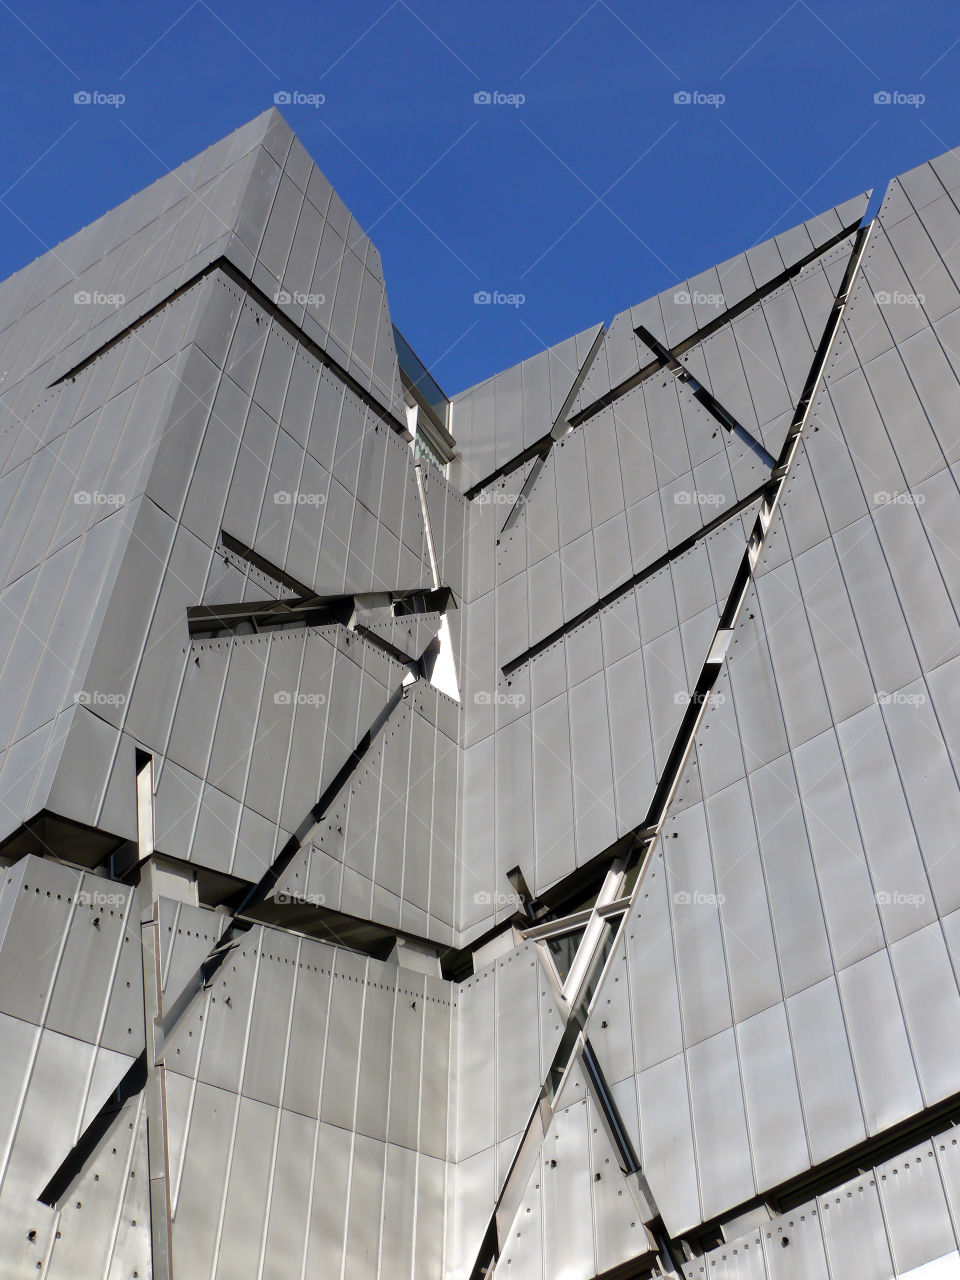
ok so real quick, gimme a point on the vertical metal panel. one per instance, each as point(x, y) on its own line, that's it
point(927, 989)
point(846, 890)
point(828, 1088)
point(854, 1232)
point(567, 1225)
point(744, 910)
point(882, 1059)
point(652, 966)
point(915, 1209)
point(328, 1207)
point(902, 889)
point(517, 1039)
point(207, 1150)
point(719, 1124)
point(800, 933)
point(593, 797)
point(701, 966)
point(778, 1141)
point(406, 1063)
point(667, 1152)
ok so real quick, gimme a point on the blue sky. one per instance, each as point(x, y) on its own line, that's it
point(595, 191)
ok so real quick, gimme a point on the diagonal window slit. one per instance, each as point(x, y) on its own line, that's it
point(700, 393)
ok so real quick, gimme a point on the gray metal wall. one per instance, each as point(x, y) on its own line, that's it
point(785, 985)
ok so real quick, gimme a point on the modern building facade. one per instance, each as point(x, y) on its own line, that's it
point(511, 835)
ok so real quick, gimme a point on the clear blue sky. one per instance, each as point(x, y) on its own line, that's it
point(595, 192)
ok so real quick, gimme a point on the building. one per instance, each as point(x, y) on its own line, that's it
point(512, 835)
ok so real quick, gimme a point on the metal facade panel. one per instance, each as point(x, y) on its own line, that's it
point(667, 1150)
point(828, 1085)
point(778, 1142)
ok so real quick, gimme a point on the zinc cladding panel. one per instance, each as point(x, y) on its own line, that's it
point(927, 988)
point(652, 972)
point(915, 1209)
point(903, 890)
point(247, 1187)
point(828, 1084)
point(41, 900)
point(338, 1099)
point(745, 921)
point(270, 1019)
point(374, 1066)
point(854, 1233)
point(667, 1150)
point(778, 1141)
point(885, 1069)
point(516, 1039)
point(308, 1031)
point(702, 973)
point(475, 1078)
point(930, 784)
point(567, 1220)
point(407, 1063)
point(328, 1204)
point(719, 1124)
point(800, 932)
point(290, 1188)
